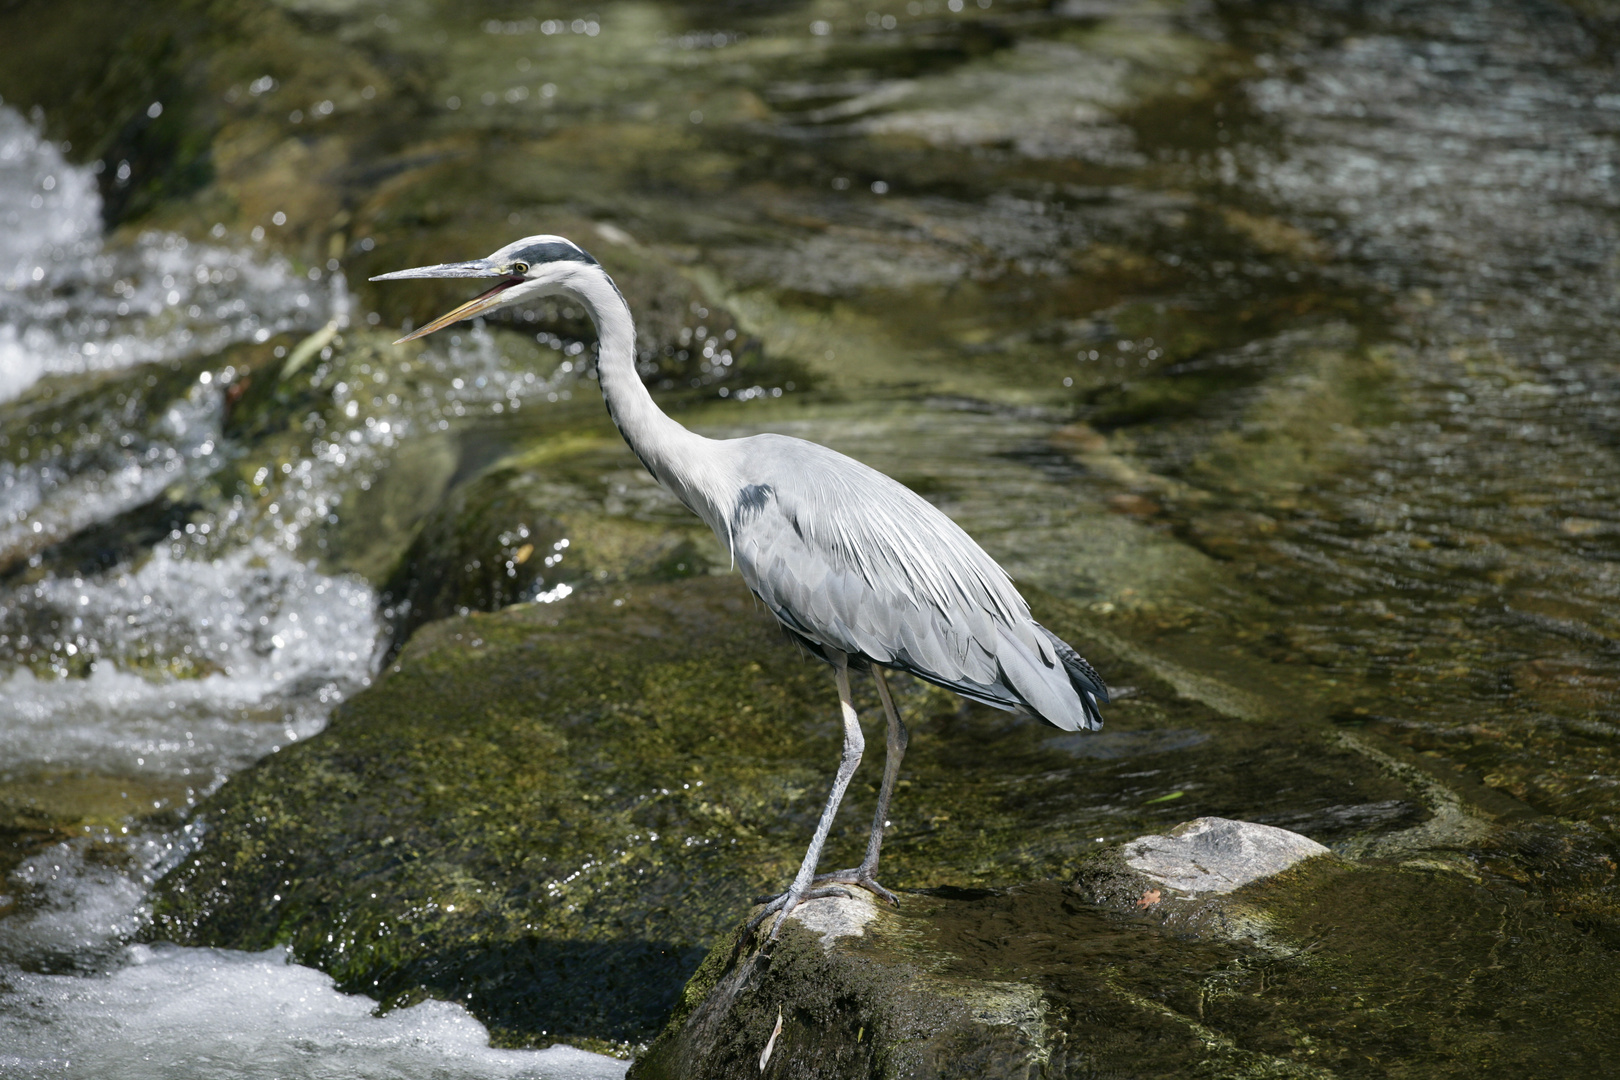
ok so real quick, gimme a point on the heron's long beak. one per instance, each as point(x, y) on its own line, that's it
point(482, 302)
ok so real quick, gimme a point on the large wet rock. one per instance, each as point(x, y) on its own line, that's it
point(545, 520)
point(541, 813)
point(1323, 968)
point(844, 993)
point(550, 813)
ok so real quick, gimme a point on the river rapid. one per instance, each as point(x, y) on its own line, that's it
point(133, 691)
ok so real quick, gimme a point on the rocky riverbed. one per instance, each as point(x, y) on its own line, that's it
point(1269, 346)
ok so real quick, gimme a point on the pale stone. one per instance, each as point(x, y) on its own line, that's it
point(835, 917)
point(1217, 855)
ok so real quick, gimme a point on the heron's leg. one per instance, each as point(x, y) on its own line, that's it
point(899, 739)
point(854, 745)
point(865, 874)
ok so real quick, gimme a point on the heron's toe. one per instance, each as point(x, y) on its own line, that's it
point(772, 904)
point(786, 903)
point(860, 877)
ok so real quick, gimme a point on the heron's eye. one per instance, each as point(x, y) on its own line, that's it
point(518, 268)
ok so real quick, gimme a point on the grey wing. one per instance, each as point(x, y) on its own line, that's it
point(851, 560)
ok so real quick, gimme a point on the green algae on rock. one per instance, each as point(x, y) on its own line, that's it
point(1326, 969)
point(847, 993)
point(509, 820)
point(550, 812)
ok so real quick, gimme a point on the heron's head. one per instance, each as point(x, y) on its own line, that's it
point(528, 268)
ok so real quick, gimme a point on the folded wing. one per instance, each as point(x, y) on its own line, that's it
point(849, 559)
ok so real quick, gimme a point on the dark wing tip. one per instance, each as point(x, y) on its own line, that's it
point(1094, 718)
point(1081, 673)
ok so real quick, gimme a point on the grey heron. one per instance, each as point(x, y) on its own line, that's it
point(865, 573)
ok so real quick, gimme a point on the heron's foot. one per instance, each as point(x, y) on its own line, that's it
point(858, 875)
point(785, 903)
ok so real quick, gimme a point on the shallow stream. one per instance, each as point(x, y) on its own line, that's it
point(1278, 337)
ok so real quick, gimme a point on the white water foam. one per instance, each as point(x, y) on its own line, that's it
point(162, 1011)
point(46, 205)
point(78, 902)
point(95, 475)
point(70, 304)
point(152, 1012)
point(214, 1013)
point(274, 642)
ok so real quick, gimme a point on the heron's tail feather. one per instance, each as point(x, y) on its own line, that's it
point(1086, 681)
point(1064, 695)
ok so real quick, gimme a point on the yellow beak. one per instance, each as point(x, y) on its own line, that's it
point(484, 301)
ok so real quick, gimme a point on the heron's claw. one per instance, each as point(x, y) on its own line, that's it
point(857, 876)
point(785, 903)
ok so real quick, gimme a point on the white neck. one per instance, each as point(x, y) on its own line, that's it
point(684, 462)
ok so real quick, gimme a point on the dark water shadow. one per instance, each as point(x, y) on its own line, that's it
point(540, 991)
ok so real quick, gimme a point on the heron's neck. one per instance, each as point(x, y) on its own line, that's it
point(682, 461)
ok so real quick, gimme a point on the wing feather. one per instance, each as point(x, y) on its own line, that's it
point(851, 560)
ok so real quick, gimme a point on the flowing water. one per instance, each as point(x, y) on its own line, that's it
point(1275, 335)
point(134, 689)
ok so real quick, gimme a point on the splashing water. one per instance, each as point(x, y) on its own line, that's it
point(215, 1013)
point(268, 646)
point(70, 304)
point(133, 690)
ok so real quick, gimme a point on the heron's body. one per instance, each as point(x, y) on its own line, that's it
point(859, 568)
point(853, 561)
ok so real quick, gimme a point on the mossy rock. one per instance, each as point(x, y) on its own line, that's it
point(549, 813)
point(1327, 969)
point(546, 520)
point(877, 1002)
point(544, 813)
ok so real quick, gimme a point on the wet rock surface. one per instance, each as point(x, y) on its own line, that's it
point(550, 813)
point(1323, 969)
point(1214, 855)
point(542, 813)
